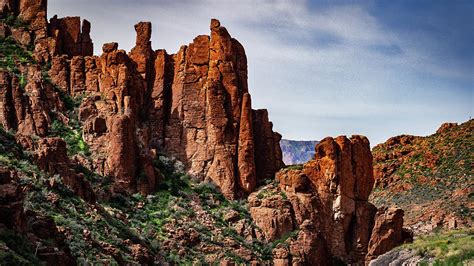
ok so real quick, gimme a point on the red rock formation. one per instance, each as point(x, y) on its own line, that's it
point(330, 195)
point(51, 157)
point(387, 232)
point(246, 158)
point(195, 101)
point(272, 215)
point(59, 72)
point(7, 6)
point(193, 105)
point(33, 12)
point(78, 75)
point(267, 145)
point(72, 39)
point(27, 110)
point(142, 54)
point(29, 224)
point(122, 154)
point(21, 36)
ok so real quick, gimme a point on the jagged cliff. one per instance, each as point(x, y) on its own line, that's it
point(87, 143)
point(326, 201)
point(193, 105)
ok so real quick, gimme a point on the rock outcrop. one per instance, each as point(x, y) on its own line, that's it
point(386, 233)
point(26, 108)
point(51, 156)
point(72, 38)
point(329, 194)
point(193, 105)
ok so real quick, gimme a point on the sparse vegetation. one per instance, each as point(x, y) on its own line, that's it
point(72, 134)
point(294, 167)
point(448, 248)
point(13, 55)
point(425, 172)
point(14, 21)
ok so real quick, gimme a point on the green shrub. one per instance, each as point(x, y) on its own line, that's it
point(20, 245)
point(14, 21)
point(447, 248)
point(12, 55)
point(71, 135)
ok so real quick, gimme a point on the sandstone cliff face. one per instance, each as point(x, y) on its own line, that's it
point(27, 109)
point(193, 105)
point(329, 194)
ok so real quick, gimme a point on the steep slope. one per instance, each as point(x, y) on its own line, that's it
point(431, 177)
point(185, 221)
point(297, 151)
point(182, 222)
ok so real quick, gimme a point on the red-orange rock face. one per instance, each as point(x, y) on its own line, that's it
point(27, 110)
point(50, 154)
point(342, 175)
point(329, 194)
point(246, 156)
point(386, 233)
point(72, 37)
point(193, 105)
point(33, 12)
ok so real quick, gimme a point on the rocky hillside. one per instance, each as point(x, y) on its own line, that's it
point(431, 177)
point(154, 158)
point(297, 151)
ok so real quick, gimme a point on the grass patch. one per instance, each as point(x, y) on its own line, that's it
point(447, 248)
point(295, 167)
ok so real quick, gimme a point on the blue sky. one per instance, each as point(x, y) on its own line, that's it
point(323, 68)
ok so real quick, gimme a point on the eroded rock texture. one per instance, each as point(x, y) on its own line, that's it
point(26, 108)
point(330, 196)
point(193, 105)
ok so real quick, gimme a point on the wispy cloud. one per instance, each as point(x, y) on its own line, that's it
point(321, 71)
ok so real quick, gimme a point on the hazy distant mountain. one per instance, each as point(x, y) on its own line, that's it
point(297, 151)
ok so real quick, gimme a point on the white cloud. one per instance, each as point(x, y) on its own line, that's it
point(292, 75)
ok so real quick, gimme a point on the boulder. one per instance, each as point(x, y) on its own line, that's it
point(388, 232)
